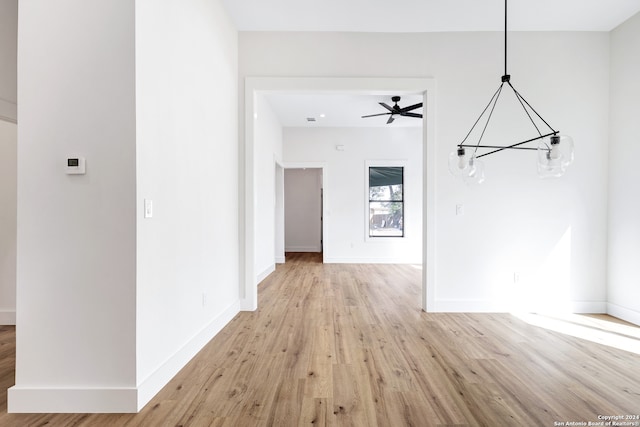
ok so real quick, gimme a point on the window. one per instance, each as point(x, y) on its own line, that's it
point(386, 201)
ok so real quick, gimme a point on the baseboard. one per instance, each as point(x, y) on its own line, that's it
point(467, 306)
point(7, 317)
point(490, 306)
point(148, 388)
point(302, 249)
point(588, 307)
point(624, 313)
point(115, 400)
point(246, 305)
point(280, 260)
point(87, 401)
point(335, 260)
point(266, 273)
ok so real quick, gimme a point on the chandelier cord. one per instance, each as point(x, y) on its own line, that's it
point(505, 38)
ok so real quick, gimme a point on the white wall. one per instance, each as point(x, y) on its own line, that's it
point(76, 257)
point(8, 59)
point(302, 216)
point(8, 203)
point(111, 305)
point(268, 151)
point(624, 148)
point(187, 163)
point(345, 196)
point(553, 233)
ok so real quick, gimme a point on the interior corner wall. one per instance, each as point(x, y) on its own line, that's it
point(551, 234)
point(8, 225)
point(268, 151)
point(345, 196)
point(303, 210)
point(187, 165)
point(8, 60)
point(624, 149)
point(76, 259)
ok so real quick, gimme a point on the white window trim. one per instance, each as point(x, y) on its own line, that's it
point(384, 163)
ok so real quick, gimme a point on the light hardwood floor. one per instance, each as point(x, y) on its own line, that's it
point(347, 345)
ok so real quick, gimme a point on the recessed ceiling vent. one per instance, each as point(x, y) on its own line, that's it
point(311, 119)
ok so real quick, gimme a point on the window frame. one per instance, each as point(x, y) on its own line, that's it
point(381, 164)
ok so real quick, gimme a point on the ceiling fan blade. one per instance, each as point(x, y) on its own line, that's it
point(373, 115)
point(419, 116)
point(386, 106)
point(411, 107)
point(391, 119)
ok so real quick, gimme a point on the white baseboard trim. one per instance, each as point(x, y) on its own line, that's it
point(302, 249)
point(280, 260)
point(65, 400)
point(467, 306)
point(245, 305)
point(7, 317)
point(624, 313)
point(266, 273)
point(148, 388)
point(589, 307)
point(489, 306)
point(115, 400)
point(333, 260)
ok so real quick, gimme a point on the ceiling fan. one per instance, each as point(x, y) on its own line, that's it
point(396, 110)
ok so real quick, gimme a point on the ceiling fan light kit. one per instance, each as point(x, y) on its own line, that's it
point(555, 151)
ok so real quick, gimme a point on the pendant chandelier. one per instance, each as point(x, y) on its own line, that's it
point(554, 151)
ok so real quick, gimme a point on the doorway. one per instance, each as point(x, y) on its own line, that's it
point(303, 210)
point(259, 85)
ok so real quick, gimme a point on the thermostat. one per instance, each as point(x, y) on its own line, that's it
point(75, 166)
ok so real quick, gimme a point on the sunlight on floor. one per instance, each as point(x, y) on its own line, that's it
point(417, 266)
point(599, 329)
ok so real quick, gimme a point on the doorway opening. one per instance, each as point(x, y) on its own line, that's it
point(256, 87)
point(303, 205)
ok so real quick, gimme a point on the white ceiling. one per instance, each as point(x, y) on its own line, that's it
point(344, 110)
point(339, 109)
point(429, 15)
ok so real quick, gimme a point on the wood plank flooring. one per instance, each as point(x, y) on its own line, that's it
point(348, 345)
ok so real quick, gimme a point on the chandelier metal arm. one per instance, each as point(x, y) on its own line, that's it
point(481, 114)
point(532, 109)
point(498, 146)
point(512, 146)
point(520, 100)
point(493, 107)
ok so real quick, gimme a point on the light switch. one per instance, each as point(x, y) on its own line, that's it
point(148, 208)
point(459, 210)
